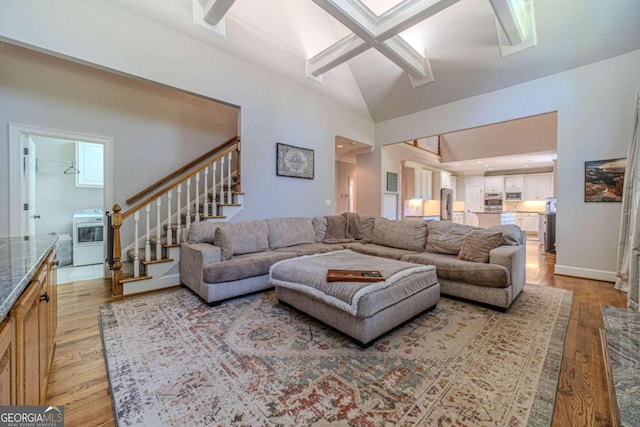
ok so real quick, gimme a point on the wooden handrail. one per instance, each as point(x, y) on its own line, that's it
point(180, 171)
point(157, 194)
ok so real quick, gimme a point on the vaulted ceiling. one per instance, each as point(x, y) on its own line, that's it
point(407, 56)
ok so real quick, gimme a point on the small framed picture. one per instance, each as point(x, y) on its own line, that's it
point(294, 162)
point(604, 180)
point(392, 181)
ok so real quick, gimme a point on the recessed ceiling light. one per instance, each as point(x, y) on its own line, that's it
point(339, 145)
point(478, 161)
point(456, 164)
point(486, 166)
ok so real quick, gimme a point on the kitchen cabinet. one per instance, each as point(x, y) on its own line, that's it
point(457, 217)
point(35, 318)
point(527, 222)
point(8, 362)
point(513, 183)
point(445, 179)
point(538, 186)
point(454, 187)
point(494, 184)
point(418, 183)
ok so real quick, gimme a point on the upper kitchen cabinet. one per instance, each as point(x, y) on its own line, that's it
point(445, 179)
point(538, 186)
point(418, 183)
point(513, 183)
point(494, 184)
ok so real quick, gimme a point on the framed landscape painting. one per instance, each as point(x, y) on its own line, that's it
point(294, 162)
point(604, 180)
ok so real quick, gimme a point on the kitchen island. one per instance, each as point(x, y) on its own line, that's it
point(28, 322)
point(490, 219)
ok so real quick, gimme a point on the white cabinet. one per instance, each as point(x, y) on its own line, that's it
point(537, 186)
point(513, 183)
point(418, 183)
point(494, 184)
point(454, 187)
point(457, 217)
point(445, 179)
point(528, 222)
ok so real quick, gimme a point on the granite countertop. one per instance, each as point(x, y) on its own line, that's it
point(495, 213)
point(21, 257)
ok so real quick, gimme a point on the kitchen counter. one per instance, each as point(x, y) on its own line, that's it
point(19, 260)
point(489, 219)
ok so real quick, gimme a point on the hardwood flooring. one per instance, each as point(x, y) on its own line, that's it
point(79, 379)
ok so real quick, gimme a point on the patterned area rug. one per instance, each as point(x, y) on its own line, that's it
point(174, 361)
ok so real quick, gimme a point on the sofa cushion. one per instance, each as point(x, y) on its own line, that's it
point(403, 234)
point(446, 237)
point(203, 231)
point(336, 229)
point(378, 250)
point(511, 234)
point(222, 239)
point(311, 248)
point(478, 243)
point(285, 232)
point(451, 268)
point(243, 266)
point(352, 225)
point(320, 227)
point(366, 228)
point(249, 237)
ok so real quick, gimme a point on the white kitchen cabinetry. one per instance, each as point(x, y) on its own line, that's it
point(445, 179)
point(494, 184)
point(454, 187)
point(513, 183)
point(528, 222)
point(418, 183)
point(457, 217)
point(538, 186)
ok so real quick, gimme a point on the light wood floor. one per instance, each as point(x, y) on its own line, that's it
point(79, 379)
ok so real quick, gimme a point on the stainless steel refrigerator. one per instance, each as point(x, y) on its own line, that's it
point(446, 203)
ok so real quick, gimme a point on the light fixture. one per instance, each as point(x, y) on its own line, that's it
point(478, 161)
point(340, 146)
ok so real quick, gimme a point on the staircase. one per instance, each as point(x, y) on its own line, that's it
point(156, 226)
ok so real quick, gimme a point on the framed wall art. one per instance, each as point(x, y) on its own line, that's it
point(604, 180)
point(392, 181)
point(295, 162)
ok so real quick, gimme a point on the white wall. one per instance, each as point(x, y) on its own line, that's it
point(273, 109)
point(155, 130)
point(595, 106)
point(57, 196)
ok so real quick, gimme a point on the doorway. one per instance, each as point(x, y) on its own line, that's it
point(60, 176)
point(475, 203)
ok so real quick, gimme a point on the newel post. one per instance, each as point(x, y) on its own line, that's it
point(116, 282)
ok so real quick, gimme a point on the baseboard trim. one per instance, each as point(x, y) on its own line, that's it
point(586, 273)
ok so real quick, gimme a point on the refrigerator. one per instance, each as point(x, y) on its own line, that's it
point(550, 220)
point(446, 203)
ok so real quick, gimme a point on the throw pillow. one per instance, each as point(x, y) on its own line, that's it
point(477, 244)
point(511, 234)
point(352, 228)
point(222, 239)
point(336, 229)
point(320, 227)
point(202, 232)
point(366, 228)
point(446, 237)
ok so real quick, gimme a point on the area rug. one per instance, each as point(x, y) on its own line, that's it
point(172, 360)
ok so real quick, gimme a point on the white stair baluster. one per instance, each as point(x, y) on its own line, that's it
point(136, 248)
point(169, 231)
point(206, 191)
point(229, 197)
point(214, 207)
point(147, 244)
point(198, 197)
point(188, 218)
point(158, 229)
point(222, 181)
point(178, 216)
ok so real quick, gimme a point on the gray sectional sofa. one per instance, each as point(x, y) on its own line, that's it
point(223, 260)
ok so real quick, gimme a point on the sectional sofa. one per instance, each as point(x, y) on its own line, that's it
point(223, 260)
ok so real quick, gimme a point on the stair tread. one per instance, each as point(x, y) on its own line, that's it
point(229, 204)
point(135, 279)
point(157, 261)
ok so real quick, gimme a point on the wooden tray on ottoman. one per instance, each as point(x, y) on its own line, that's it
point(354, 276)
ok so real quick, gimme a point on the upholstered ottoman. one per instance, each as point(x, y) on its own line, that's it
point(362, 310)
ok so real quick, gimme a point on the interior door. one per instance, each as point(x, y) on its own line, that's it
point(29, 186)
point(352, 194)
point(390, 206)
point(474, 203)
